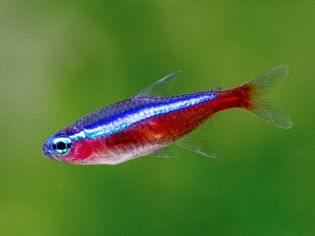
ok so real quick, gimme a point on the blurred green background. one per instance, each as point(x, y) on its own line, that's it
point(60, 60)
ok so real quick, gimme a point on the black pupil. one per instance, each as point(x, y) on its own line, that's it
point(61, 145)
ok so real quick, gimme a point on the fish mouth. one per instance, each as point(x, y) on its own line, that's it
point(47, 151)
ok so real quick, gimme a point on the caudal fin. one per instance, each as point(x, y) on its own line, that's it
point(259, 105)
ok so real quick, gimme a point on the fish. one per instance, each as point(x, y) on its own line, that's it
point(149, 122)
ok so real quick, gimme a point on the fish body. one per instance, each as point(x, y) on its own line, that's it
point(144, 124)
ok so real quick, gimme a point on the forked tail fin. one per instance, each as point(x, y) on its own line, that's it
point(260, 106)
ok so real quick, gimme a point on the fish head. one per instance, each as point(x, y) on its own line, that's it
point(71, 146)
point(58, 148)
point(62, 145)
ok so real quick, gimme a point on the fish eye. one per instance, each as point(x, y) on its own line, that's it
point(61, 145)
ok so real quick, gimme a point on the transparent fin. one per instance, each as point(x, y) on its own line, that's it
point(218, 89)
point(165, 152)
point(161, 87)
point(203, 151)
point(273, 115)
point(265, 82)
point(198, 140)
point(260, 106)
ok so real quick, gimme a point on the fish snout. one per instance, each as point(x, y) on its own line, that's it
point(47, 150)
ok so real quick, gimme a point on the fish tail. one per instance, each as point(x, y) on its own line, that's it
point(258, 104)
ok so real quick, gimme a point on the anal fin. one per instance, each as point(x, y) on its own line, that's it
point(165, 152)
point(197, 148)
point(198, 140)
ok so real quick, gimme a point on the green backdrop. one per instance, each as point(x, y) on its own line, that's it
point(60, 60)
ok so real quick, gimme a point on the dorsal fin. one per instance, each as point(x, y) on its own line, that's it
point(160, 87)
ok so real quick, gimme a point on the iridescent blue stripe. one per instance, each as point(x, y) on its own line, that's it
point(123, 121)
point(78, 136)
